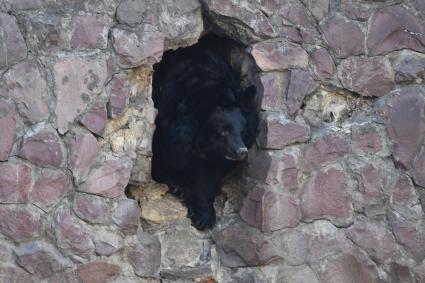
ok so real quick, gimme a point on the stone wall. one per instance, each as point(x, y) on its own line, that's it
point(332, 192)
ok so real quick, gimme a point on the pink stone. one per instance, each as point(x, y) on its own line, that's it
point(325, 196)
point(419, 5)
point(12, 273)
point(28, 89)
point(297, 14)
point(20, 223)
point(77, 81)
point(405, 124)
point(367, 76)
point(43, 149)
point(367, 139)
point(344, 37)
point(410, 68)
point(299, 83)
point(404, 192)
point(95, 118)
point(349, 268)
point(239, 246)
point(70, 236)
point(119, 92)
point(277, 132)
point(15, 182)
point(419, 169)
point(270, 211)
point(277, 56)
point(324, 150)
point(7, 129)
point(319, 8)
point(40, 258)
point(144, 255)
point(90, 31)
point(394, 28)
point(13, 48)
point(357, 10)
point(97, 271)
point(411, 234)
point(126, 216)
point(292, 33)
point(109, 180)
point(274, 169)
point(247, 14)
point(274, 85)
point(323, 62)
point(297, 274)
point(419, 270)
point(371, 186)
point(83, 152)
point(91, 208)
point(135, 49)
point(49, 188)
point(373, 237)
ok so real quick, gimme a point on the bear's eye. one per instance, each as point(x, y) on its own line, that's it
point(224, 133)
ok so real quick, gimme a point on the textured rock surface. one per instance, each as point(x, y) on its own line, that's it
point(109, 180)
point(13, 48)
point(405, 121)
point(43, 149)
point(325, 197)
point(371, 77)
point(28, 88)
point(77, 81)
point(333, 190)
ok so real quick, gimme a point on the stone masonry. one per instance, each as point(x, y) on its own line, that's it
point(333, 190)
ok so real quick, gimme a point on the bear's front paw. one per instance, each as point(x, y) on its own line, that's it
point(202, 218)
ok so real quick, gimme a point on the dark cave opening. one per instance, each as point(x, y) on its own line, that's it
point(207, 120)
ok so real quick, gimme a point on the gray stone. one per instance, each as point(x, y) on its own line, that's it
point(77, 81)
point(270, 211)
point(83, 151)
point(240, 246)
point(185, 252)
point(20, 223)
point(90, 32)
point(183, 24)
point(138, 48)
point(12, 48)
point(299, 83)
point(27, 84)
point(7, 128)
point(15, 182)
point(144, 255)
point(251, 22)
point(126, 216)
point(40, 258)
point(405, 124)
point(71, 237)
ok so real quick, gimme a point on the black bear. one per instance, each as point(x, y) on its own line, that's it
point(205, 125)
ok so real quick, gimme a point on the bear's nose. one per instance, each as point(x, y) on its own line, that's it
point(242, 152)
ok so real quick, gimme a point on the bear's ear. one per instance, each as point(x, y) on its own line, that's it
point(249, 94)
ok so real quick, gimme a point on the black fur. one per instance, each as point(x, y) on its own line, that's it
point(204, 120)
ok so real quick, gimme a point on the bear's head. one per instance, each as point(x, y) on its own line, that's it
point(224, 133)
